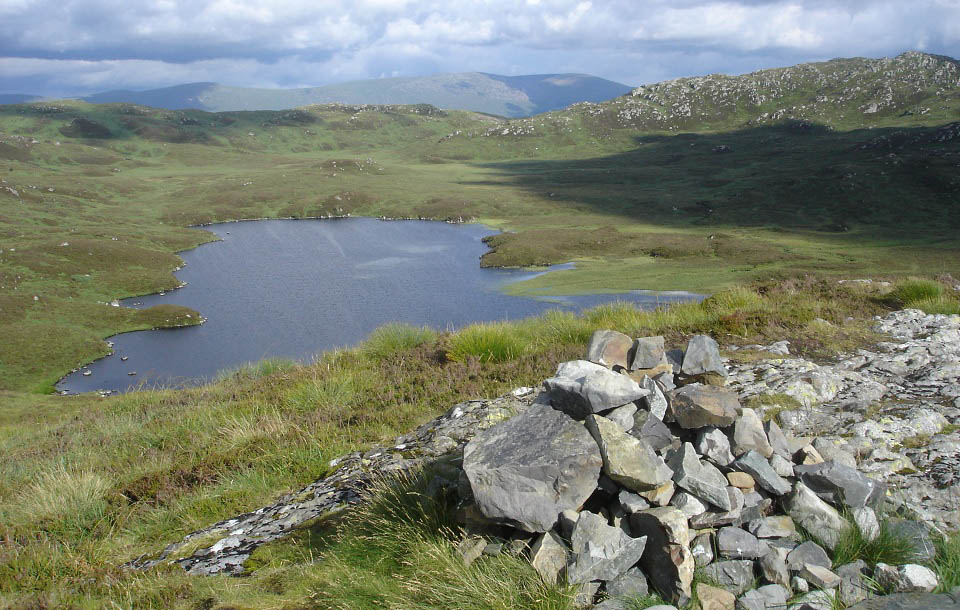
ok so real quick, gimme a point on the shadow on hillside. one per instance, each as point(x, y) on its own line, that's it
point(889, 183)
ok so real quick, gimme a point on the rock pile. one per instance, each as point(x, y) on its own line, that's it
point(637, 466)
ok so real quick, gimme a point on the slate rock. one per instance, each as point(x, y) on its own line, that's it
point(734, 575)
point(782, 466)
point(773, 527)
point(742, 481)
point(814, 600)
point(610, 348)
point(721, 518)
point(702, 356)
point(757, 466)
point(735, 543)
point(702, 549)
point(854, 587)
point(528, 469)
point(632, 583)
point(778, 440)
point(819, 576)
point(774, 569)
point(815, 515)
point(910, 578)
point(655, 401)
point(698, 406)
point(600, 551)
point(648, 353)
point(623, 416)
point(748, 434)
point(867, 522)
point(715, 598)
point(580, 388)
point(629, 461)
point(667, 560)
point(838, 484)
point(631, 502)
point(910, 601)
point(764, 598)
point(713, 444)
point(648, 427)
point(702, 479)
point(548, 556)
point(688, 504)
point(586, 594)
point(808, 553)
point(470, 549)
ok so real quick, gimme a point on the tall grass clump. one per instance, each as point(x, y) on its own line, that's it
point(396, 337)
point(889, 546)
point(916, 289)
point(62, 501)
point(256, 370)
point(946, 562)
point(942, 304)
point(490, 342)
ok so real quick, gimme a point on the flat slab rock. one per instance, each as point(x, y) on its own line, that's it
point(527, 470)
point(911, 601)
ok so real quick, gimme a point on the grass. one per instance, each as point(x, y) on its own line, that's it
point(138, 471)
point(493, 342)
point(887, 547)
point(927, 295)
point(390, 339)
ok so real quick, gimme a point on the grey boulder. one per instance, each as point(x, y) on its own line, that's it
point(702, 356)
point(528, 469)
point(627, 460)
point(580, 388)
point(601, 551)
point(839, 484)
point(698, 406)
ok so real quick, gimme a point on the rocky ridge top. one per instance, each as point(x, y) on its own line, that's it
point(688, 473)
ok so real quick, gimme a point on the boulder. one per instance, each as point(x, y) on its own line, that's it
point(819, 576)
point(764, 598)
point(762, 472)
point(774, 569)
point(702, 479)
point(631, 502)
point(528, 469)
point(735, 543)
point(629, 461)
point(698, 406)
point(866, 520)
point(815, 515)
point(854, 587)
point(715, 598)
point(688, 504)
point(702, 549)
point(580, 388)
point(713, 444)
point(808, 553)
point(701, 357)
point(623, 416)
point(632, 583)
point(773, 527)
point(720, 518)
point(649, 428)
point(648, 353)
point(610, 348)
point(667, 561)
point(601, 551)
point(748, 434)
point(655, 401)
point(548, 556)
point(910, 578)
point(734, 575)
point(839, 484)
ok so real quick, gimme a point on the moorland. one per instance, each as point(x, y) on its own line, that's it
point(764, 189)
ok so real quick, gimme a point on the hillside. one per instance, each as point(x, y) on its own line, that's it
point(510, 96)
point(671, 203)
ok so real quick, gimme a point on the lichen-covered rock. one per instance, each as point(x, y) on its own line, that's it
point(626, 459)
point(528, 469)
point(667, 560)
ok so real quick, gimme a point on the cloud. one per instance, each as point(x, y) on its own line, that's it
point(79, 46)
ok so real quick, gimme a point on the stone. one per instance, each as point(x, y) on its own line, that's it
point(631, 502)
point(774, 569)
point(610, 348)
point(715, 598)
point(909, 601)
point(866, 520)
point(819, 576)
point(702, 479)
point(734, 575)
point(655, 401)
point(600, 551)
point(470, 549)
point(698, 406)
point(662, 607)
point(808, 553)
point(702, 549)
point(814, 600)
point(580, 388)
point(831, 451)
point(853, 586)
point(648, 353)
point(648, 427)
point(632, 583)
point(702, 356)
point(548, 556)
point(773, 527)
point(764, 598)
point(799, 585)
point(667, 561)
point(759, 468)
point(611, 604)
point(808, 455)
point(629, 461)
point(735, 543)
point(838, 484)
point(815, 515)
point(918, 534)
point(528, 469)
point(741, 480)
point(718, 519)
point(567, 520)
point(688, 504)
point(586, 594)
point(748, 434)
point(910, 578)
point(714, 445)
point(661, 495)
point(623, 416)
point(778, 440)
point(782, 466)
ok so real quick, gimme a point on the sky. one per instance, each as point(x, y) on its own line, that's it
point(77, 47)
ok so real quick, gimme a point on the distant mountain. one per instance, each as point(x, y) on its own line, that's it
point(17, 98)
point(510, 96)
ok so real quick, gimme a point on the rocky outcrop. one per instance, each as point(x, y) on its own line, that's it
point(723, 490)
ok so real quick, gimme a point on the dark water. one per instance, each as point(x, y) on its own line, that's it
point(293, 288)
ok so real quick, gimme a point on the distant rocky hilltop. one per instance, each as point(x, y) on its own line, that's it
point(639, 464)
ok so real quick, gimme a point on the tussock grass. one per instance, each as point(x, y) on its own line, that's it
point(946, 563)
point(491, 342)
point(63, 501)
point(256, 370)
point(888, 547)
point(942, 304)
point(916, 289)
point(395, 337)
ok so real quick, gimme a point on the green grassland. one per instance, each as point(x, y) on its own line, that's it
point(96, 200)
